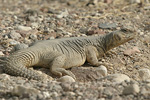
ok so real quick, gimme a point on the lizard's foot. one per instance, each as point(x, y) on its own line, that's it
point(111, 53)
point(103, 63)
point(61, 71)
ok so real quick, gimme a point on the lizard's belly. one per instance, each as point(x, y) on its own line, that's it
point(74, 61)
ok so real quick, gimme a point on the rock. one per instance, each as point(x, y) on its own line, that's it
point(144, 73)
point(89, 73)
point(107, 25)
point(15, 35)
point(108, 1)
point(35, 25)
point(102, 69)
point(66, 79)
point(12, 43)
point(27, 41)
point(32, 18)
point(33, 36)
point(32, 12)
point(117, 78)
point(66, 86)
point(5, 77)
point(63, 14)
point(83, 30)
point(131, 89)
point(135, 1)
point(96, 31)
point(1, 53)
point(93, 2)
point(22, 90)
point(24, 28)
point(46, 94)
point(129, 52)
point(20, 46)
point(70, 93)
point(54, 94)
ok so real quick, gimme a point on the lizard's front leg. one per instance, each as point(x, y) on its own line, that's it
point(91, 56)
point(56, 66)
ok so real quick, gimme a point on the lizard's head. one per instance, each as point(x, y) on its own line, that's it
point(123, 35)
point(119, 37)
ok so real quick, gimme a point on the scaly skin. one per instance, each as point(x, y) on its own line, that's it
point(61, 54)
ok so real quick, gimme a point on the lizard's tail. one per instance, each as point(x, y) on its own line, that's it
point(19, 70)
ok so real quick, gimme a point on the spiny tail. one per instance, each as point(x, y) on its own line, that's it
point(19, 70)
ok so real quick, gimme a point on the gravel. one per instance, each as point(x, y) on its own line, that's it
point(126, 78)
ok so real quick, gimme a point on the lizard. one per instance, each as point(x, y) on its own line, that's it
point(61, 54)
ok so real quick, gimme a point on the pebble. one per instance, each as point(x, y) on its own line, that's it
point(102, 69)
point(46, 94)
point(27, 41)
point(71, 94)
point(108, 1)
point(32, 18)
point(14, 35)
point(20, 46)
point(131, 89)
point(107, 25)
point(135, 1)
point(12, 43)
point(144, 73)
point(129, 52)
point(66, 79)
point(63, 14)
point(5, 77)
point(22, 90)
point(35, 25)
point(24, 28)
point(1, 53)
point(33, 36)
point(117, 78)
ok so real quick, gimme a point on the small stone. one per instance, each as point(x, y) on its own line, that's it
point(144, 73)
point(107, 25)
point(88, 73)
point(102, 69)
point(66, 79)
point(71, 94)
point(32, 18)
point(14, 35)
point(93, 2)
point(118, 78)
point(5, 77)
point(1, 53)
point(108, 1)
point(51, 38)
point(34, 25)
point(66, 86)
point(22, 90)
point(141, 33)
point(12, 43)
point(46, 94)
point(63, 14)
point(27, 41)
point(96, 31)
point(135, 1)
point(33, 36)
point(129, 52)
point(54, 94)
point(131, 89)
point(20, 46)
point(24, 28)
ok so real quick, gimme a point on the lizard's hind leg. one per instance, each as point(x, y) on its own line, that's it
point(57, 67)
